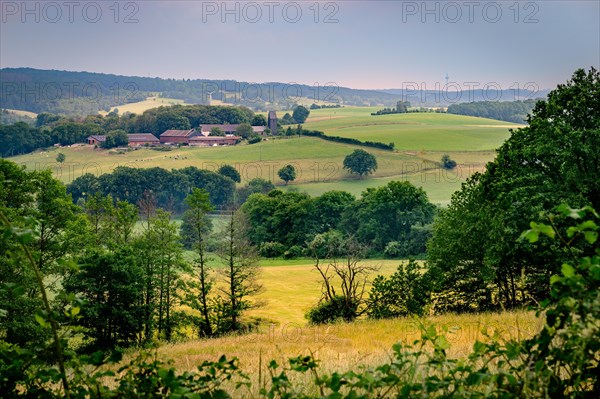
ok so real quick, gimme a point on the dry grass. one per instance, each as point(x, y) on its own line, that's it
point(343, 347)
point(141, 106)
point(290, 290)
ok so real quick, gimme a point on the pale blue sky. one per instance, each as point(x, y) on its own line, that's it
point(375, 44)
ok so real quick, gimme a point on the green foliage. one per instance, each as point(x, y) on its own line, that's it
point(295, 251)
point(328, 311)
point(169, 187)
point(348, 140)
point(245, 131)
point(447, 162)
point(404, 293)
point(256, 185)
point(474, 252)
point(300, 114)
point(216, 131)
point(109, 284)
point(287, 173)
point(360, 162)
point(254, 138)
point(259, 120)
point(271, 249)
point(231, 172)
point(60, 158)
point(115, 138)
point(390, 213)
point(509, 111)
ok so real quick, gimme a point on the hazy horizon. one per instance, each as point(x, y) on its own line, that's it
point(362, 45)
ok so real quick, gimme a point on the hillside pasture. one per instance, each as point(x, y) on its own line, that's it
point(141, 106)
point(412, 131)
point(421, 140)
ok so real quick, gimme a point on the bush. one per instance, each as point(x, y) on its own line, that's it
point(294, 252)
point(336, 309)
point(448, 163)
point(271, 249)
point(393, 249)
point(404, 293)
point(254, 140)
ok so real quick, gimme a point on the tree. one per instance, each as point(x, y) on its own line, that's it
point(329, 208)
point(287, 173)
point(387, 213)
point(474, 251)
point(60, 158)
point(344, 279)
point(216, 131)
point(448, 163)
point(197, 228)
point(109, 282)
point(300, 114)
point(115, 138)
point(239, 275)
point(231, 172)
point(244, 130)
point(403, 293)
point(256, 185)
point(287, 119)
point(360, 162)
point(259, 120)
point(402, 107)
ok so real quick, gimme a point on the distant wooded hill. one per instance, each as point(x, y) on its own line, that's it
point(510, 111)
point(84, 93)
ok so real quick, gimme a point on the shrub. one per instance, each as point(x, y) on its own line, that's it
point(254, 140)
point(271, 249)
point(403, 293)
point(294, 252)
point(447, 162)
point(393, 249)
point(336, 309)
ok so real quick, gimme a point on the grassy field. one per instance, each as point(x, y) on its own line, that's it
point(141, 106)
point(413, 131)
point(23, 113)
point(421, 140)
point(290, 289)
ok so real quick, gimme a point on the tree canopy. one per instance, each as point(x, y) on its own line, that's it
point(475, 252)
point(360, 162)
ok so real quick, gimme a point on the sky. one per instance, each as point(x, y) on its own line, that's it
point(358, 44)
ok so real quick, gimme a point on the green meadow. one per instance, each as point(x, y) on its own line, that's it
point(420, 139)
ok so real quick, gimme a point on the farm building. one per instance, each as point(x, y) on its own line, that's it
point(229, 129)
point(96, 139)
point(138, 139)
point(272, 122)
point(208, 141)
point(178, 136)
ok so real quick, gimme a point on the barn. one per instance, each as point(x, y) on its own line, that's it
point(207, 141)
point(139, 139)
point(178, 136)
point(96, 139)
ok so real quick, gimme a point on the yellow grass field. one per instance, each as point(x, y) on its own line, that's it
point(23, 113)
point(290, 290)
point(141, 106)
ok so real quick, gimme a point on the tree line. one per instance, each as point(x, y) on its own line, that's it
point(123, 260)
point(509, 111)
